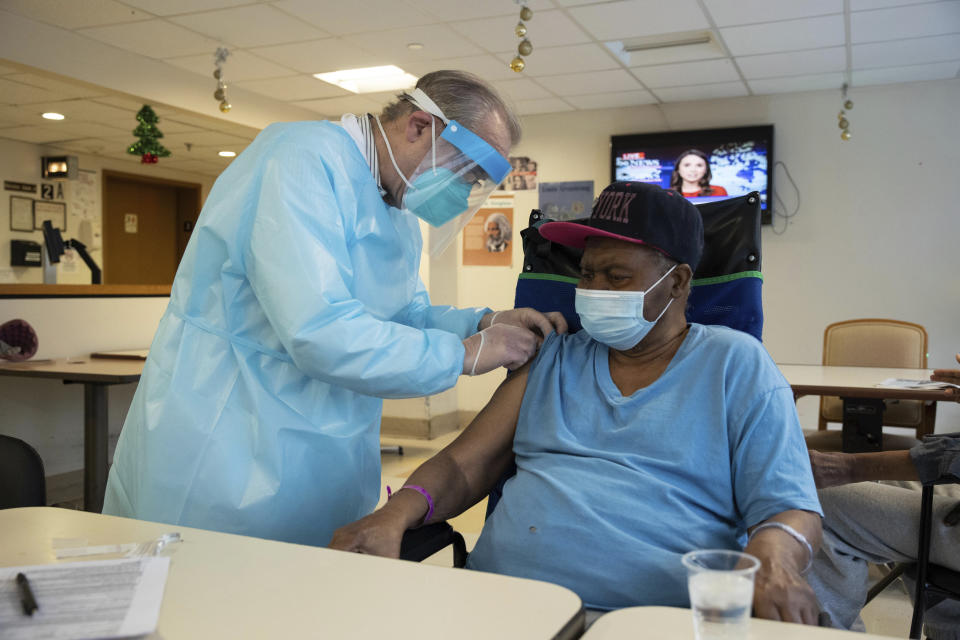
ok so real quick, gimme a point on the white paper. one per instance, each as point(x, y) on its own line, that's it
point(904, 383)
point(79, 600)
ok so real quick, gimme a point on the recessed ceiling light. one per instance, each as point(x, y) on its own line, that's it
point(227, 154)
point(369, 79)
point(50, 115)
point(415, 46)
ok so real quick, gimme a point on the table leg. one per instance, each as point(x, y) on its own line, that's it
point(94, 445)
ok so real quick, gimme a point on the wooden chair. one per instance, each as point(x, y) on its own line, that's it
point(876, 342)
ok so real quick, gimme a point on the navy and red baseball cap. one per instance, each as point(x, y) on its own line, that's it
point(641, 213)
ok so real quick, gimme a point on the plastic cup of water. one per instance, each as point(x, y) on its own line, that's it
point(721, 592)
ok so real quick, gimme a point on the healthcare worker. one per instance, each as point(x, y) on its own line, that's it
point(298, 306)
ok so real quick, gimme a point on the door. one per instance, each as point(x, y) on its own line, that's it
point(146, 225)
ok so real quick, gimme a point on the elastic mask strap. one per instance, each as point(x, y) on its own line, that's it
point(658, 281)
point(663, 312)
point(390, 152)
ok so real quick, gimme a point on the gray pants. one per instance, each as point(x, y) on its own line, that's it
point(878, 523)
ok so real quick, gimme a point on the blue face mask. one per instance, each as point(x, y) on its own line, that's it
point(615, 318)
point(437, 196)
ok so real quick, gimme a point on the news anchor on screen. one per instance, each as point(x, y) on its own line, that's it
point(691, 176)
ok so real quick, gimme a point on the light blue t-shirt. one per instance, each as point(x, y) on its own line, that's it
point(610, 490)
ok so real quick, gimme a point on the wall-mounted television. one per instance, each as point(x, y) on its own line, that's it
point(704, 165)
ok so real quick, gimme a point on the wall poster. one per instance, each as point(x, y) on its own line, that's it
point(488, 237)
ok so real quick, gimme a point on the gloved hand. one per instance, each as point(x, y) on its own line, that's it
point(500, 345)
point(540, 323)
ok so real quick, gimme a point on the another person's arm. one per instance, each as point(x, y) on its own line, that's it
point(948, 375)
point(456, 478)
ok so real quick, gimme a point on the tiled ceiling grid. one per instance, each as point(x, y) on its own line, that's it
point(757, 47)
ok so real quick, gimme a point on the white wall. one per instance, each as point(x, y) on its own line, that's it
point(876, 235)
point(20, 162)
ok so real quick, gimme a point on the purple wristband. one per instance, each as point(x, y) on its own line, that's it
point(425, 494)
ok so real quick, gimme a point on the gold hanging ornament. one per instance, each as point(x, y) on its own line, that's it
point(221, 93)
point(842, 122)
point(525, 47)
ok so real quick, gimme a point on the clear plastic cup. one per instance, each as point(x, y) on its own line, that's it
point(720, 583)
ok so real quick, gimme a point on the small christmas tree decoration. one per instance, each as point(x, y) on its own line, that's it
point(148, 146)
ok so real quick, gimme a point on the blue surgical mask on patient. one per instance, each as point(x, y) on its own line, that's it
point(615, 318)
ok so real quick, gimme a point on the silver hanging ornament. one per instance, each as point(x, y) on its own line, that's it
point(843, 124)
point(525, 48)
point(218, 94)
point(526, 13)
point(848, 104)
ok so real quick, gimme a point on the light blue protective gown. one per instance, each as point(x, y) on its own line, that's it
point(296, 308)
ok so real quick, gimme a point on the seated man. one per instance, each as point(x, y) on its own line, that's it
point(868, 522)
point(635, 440)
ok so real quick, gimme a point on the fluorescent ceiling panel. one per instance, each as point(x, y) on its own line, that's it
point(369, 79)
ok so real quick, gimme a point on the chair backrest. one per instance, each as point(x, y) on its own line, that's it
point(875, 342)
point(22, 482)
point(726, 286)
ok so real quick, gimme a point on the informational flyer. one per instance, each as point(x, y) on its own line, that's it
point(566, 200)
point(488, 237)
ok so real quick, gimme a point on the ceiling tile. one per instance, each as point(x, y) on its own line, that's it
point(301, 87)
point(466, 9)
point(122, 102)
point(74, 15)
point(731, 12)
point(439, 41)
point(250, 26)
point(153, 38)
point(63, 89)
point(790, 35)
point(20, 115)
point(335, 107)
point(904, 52)
point(687, 73)
point(18, 93)
point(553, 61)
point(485, 65)
point(702, 92)
point(173, 7)
point(35, 134)
point(794, 63)
point(95, 146)
point(316, 56)
point(861, 5)
point(91, 130)
point(633, 18)
point(914, 73)
point(667, 55)
point(933, 19)
point(543, 105)
point(240, 65)
point(90, 111)
point(578, 84)
point(522, 89)
point(210, 138)
point(797, 83)
point(340, 18)
point(551, 28)
point(612, 100)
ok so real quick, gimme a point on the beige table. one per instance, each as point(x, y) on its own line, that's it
point(861, 382)
point(668, 622)
point(227, 586)
point(95, 376)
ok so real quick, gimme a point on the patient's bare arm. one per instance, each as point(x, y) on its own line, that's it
point(457, 477)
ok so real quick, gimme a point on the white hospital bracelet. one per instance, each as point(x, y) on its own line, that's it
point(796, 535)
point(473, 371)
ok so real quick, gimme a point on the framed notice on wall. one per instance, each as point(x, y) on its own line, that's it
point(55, 212)
point(21, 213)
point(488, 237)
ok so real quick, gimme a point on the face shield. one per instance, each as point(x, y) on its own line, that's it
point(453, 180)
